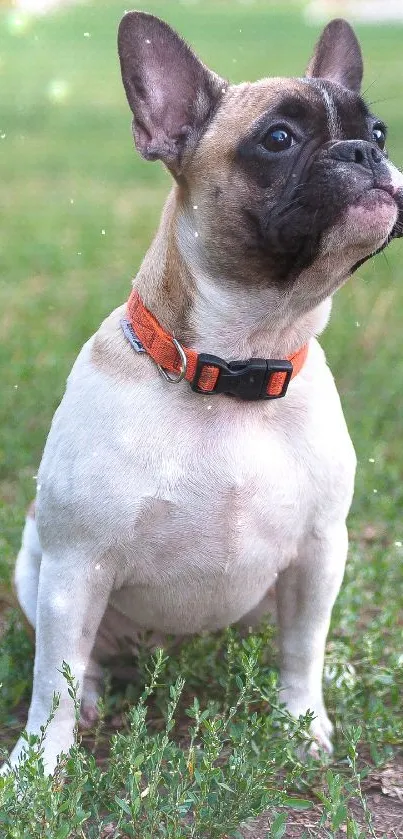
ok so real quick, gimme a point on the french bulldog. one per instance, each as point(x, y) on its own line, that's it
point(199, 462)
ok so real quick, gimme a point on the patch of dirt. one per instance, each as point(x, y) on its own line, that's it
point(383, 791)
point(387, 819)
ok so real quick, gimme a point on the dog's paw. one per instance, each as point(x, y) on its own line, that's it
point(89, 716)
point(321, 729)
point(92, 691)
point(89, 712)
point(17, 755)
point(5, 769)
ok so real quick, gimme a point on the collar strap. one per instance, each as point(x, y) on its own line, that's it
point(257, 378)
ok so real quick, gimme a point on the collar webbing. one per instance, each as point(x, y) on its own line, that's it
point(253, 379)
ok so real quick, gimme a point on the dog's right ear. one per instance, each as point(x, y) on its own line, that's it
point(337, 56)
point(170, 91)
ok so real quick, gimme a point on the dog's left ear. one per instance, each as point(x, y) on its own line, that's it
point(337, 56)
point(172, 94)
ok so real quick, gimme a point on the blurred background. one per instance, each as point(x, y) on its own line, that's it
point(79, 208)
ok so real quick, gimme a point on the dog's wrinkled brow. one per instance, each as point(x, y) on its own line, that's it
point(334, 101)
point(294, 107)
point(341, 112)
point(333, 119)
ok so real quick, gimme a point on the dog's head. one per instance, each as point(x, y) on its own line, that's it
point(278, 179)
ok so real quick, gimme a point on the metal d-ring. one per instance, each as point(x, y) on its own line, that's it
point(173, 380)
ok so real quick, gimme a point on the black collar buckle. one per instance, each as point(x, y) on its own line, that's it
point(249, 380)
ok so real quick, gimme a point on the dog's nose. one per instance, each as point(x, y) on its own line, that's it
point(360, 152)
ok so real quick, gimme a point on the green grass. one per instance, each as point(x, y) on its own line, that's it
point(69, 172)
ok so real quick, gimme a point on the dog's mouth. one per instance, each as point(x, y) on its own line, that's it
point(370, 201)
point(378, 198)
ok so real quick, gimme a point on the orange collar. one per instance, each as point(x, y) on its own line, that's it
point(257, 378)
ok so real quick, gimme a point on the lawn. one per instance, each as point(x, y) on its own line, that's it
point(79, 209)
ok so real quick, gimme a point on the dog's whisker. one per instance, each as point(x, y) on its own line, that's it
point(384, 99)
point(364, 92)
point(292, 208)
point(386, 259)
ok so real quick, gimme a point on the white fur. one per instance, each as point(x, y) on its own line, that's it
point(26, 575)
point(335, 129)
point(395, 175)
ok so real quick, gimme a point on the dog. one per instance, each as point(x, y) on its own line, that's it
point(199, 461)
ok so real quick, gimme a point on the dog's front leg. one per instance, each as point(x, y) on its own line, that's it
point(306, 592)
point(72, 598)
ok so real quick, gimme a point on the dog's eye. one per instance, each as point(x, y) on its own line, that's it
point(278, 138)
point(379, 136)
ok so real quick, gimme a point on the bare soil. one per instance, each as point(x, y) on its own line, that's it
point(386, 808)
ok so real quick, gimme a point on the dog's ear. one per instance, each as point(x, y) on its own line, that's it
point(337, 56)
point(170, 91)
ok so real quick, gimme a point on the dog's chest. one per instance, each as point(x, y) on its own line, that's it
point(214, 535)
point(199, 503)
